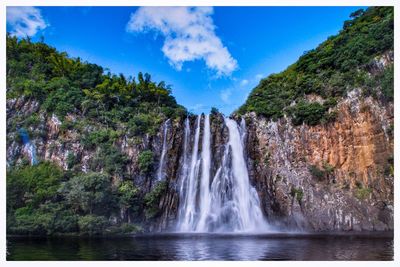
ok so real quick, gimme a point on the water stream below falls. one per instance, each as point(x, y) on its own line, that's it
point(223, 201)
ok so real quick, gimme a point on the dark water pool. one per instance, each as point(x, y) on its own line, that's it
point(205, 247)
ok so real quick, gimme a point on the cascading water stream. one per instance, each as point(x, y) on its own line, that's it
point(245, 199)
point(28, 145)
point(205, 176)
point(160, 171)
point(229, 203)
point(187, 222)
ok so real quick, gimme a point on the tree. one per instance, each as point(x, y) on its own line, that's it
point(127, 194)
point(32, 185)
point(88, 193)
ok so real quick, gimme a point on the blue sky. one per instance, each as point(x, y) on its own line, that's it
point(210, 56)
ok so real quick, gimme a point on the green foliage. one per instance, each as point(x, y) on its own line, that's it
point(72, 160)
point(330, 70)
point(141, 124)
point(32, 185)
point(362, 193)
point(316, 172)
point(309, 113)
point(389, 168)
point(152, 200)
point(128, 194)
point(88, 193)
point(214, 111)
point(297, 193)
point(388, 83)
point(109, 159)
point(321, 174)
point(329, 169)
point(125, 228)
point(130, 228)
point(32, 120)
point(62, 98)
point(146, 161)
point(48, 219)
point(92, 224)
point(99, 137)
point(42, 200)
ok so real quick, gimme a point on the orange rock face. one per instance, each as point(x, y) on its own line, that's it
point(354, 155)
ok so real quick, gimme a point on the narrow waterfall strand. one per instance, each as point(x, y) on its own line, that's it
point(160, 171)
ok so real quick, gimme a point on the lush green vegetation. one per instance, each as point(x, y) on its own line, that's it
point(44, 200)
point(65, 85)
point(329, 71)
point(101, 109)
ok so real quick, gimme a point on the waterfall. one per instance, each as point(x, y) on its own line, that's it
point(205, 176)
point(189, 202)
point(185, 167)
point(160, 171)
point(29, 147)
point(227, 202)
point(245, 202)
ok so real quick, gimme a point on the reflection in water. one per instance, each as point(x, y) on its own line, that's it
point(204, 247)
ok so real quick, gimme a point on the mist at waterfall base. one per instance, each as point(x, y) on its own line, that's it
point(223, 201)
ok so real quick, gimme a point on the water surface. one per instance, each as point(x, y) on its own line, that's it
point(205, 247)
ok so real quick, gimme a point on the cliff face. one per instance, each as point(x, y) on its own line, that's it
point(337, 176)
point(54, 142)
point(327, 177)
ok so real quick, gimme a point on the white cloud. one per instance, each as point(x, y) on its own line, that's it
point(244, 82)
point(189, 35)
point(225, 95)
point(25, 21)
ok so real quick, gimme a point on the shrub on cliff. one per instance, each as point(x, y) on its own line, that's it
point(297, 193)
point(321, 174)
point(146, 161)
point(309, 113)
point(128, 197)
point(152, 200)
